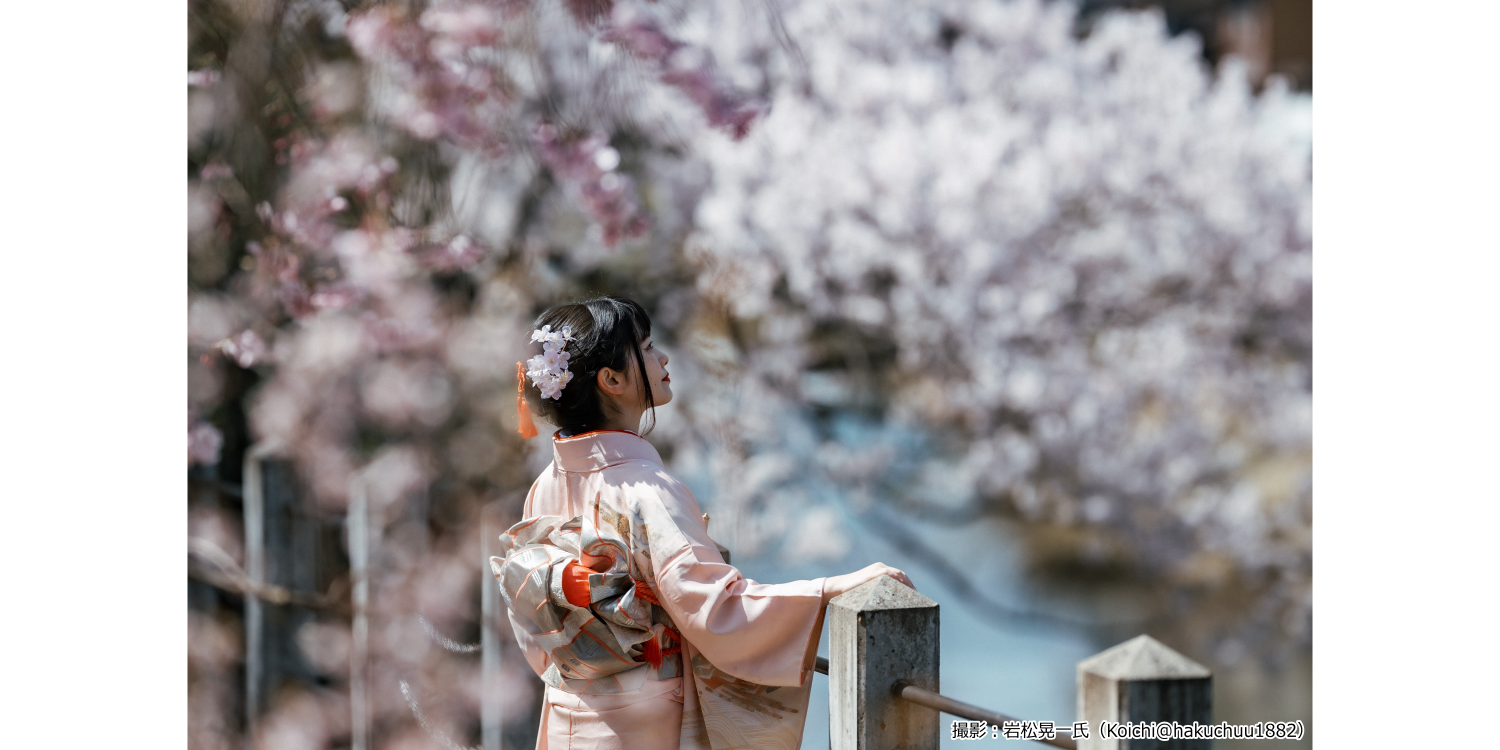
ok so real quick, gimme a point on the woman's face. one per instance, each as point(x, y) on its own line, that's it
point(656, 373)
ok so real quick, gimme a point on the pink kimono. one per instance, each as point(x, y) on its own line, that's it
point(678, 651)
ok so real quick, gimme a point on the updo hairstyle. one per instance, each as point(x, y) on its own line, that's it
point(608, 332)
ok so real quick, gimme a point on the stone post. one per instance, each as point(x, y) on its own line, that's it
point(492, 612)
point(879, 633)
point(1142, 680)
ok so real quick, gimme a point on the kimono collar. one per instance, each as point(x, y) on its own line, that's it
point(593, 451)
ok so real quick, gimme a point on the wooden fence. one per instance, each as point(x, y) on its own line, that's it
point(884, 649)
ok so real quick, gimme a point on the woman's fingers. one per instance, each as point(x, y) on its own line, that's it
point(898, 575)
point(850, 581)
point(881, 569)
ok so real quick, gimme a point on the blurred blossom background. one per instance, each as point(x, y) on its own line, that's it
point(1012, 294)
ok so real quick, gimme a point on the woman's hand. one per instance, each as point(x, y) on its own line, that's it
point(839, 584)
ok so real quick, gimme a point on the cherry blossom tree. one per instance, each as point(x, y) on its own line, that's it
point(976, 266)
point(381, 196)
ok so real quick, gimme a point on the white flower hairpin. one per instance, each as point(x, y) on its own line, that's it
point(549, 370)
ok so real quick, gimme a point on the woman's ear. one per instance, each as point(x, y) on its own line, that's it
point(612, 381)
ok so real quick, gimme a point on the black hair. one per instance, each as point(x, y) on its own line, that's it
point(608, 332)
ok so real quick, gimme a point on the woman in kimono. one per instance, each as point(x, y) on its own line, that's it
point(646, 638)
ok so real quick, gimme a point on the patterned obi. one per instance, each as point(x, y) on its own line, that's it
point(602, 628)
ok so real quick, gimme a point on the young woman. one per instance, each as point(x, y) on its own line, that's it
point(646, 638)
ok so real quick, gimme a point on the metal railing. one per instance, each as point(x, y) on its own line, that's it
point(909, 692)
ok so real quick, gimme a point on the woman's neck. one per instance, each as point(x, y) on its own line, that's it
point(564, 434)
point(617, 423)
point(622, 416)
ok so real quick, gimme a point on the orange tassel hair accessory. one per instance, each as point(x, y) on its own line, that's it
point(523, 410)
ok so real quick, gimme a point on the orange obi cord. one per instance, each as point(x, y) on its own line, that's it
point(644, 593)
point(652, 652)
point(575, 585)
point(523, 410)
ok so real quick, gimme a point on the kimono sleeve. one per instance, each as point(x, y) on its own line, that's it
point(754, 631)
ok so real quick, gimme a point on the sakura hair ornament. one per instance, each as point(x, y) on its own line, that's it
point(548, 372)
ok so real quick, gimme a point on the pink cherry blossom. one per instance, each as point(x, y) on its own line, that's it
point(246, 348)
point(204, 442)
